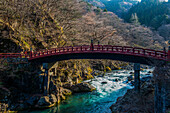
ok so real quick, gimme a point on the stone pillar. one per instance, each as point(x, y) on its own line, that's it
point(137, 77)
point(169, 52)
point(46, 79)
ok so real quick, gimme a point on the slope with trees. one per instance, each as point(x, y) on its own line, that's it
point(150, 13)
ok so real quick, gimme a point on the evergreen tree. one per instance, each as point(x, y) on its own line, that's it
point(134, 19)
point(149, 12)
point(105, 10)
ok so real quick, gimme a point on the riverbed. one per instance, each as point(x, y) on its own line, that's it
point(109, 88)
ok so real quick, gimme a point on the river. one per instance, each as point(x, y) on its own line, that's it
point(109, 88)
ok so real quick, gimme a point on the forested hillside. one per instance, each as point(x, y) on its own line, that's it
point(49, 24)
point(151, 13)
point(116, 6)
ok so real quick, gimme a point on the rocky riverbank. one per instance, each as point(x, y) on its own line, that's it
point(143, 102)
point(133, 102)
point(38, 101)
point(28, 94)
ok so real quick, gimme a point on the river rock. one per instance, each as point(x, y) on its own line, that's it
point(82, 87)
point(116, 80)
point(149, 71)
point(58, 98)
point(100, 75)
point(133, 102)
point(66, 92)
point(52, 98)
point(22, 106)
point(67, 85)
point(51, 86)
point(62, 97)
point(146, 79)
point(130, 78)
point(32, 100)
point(104, 82)
point(44, 101)
point(131, 73)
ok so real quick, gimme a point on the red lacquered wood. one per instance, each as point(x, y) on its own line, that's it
point(95, 48)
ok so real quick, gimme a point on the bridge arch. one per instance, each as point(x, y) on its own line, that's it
point(121, 53)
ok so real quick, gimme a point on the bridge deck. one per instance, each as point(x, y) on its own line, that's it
point(87, 49)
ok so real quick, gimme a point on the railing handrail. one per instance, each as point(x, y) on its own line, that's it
point(95, 48)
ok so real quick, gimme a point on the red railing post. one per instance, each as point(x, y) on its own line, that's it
point(143, 51)
point(81, 48)
point(155, 54)
point(31, 54)
point(55, 50)
point(25, 53)
point(20, 55)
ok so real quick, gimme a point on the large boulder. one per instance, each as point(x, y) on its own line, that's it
point(58, 98)
point(32, 100)
point(104, 82)
point(67, 85)
point(44, 101)
point(82, 87)
point(22, 106)
point(62, 97)
point(66, 92)
point(54, 89)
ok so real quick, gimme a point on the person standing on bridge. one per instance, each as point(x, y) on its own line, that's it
point(92, 46)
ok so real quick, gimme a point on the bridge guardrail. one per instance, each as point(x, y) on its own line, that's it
point(162, 55)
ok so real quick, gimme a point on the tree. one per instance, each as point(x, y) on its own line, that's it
point(38, 24)
point(134, 19)
point(97, 11)
point(105, 10)
point(148, 11)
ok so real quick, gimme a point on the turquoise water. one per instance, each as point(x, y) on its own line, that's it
point(97, 101)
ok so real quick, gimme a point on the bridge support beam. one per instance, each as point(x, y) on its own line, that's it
point(169, 51)
point(46, 79)
point(137, 77)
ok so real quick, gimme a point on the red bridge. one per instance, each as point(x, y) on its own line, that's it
point(121, 53)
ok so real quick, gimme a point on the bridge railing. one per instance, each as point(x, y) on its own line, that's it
point(10, 55)
point(92, 49)
point(103, 48)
